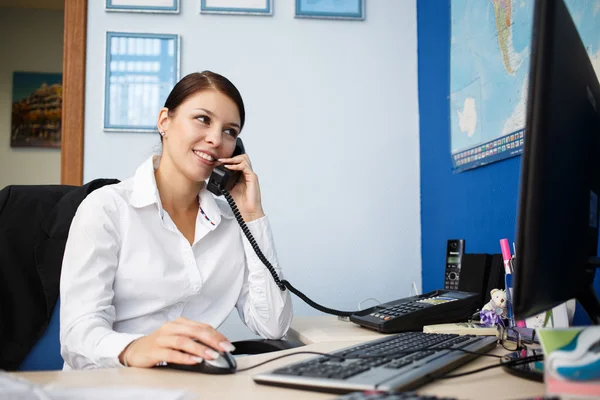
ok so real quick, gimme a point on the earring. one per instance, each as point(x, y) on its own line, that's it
point(162, 133)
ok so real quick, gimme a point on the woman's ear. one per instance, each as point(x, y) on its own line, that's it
point(163, 120)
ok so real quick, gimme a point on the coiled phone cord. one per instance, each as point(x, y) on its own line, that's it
point(283, 284)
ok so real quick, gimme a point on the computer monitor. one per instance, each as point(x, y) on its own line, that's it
point(557, 224)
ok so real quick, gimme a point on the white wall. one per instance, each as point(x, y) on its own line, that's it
point(32, 41)
point(332, 131)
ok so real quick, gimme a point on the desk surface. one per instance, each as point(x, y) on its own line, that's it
point(329, 329)
point(490, 384)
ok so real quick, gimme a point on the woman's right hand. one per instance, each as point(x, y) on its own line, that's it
point(181, 341)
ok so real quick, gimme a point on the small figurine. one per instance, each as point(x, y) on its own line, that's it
point(495, 310)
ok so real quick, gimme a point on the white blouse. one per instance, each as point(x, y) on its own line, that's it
point(127, 270)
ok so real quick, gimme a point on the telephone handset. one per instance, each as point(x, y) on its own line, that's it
point(223, 178)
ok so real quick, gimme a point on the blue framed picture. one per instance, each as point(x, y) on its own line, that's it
point(141, 69)
point(149, 6)
point(331, 9)
point(242, 7)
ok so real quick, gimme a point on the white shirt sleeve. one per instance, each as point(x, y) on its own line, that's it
point(263, 307)
point(89, 266)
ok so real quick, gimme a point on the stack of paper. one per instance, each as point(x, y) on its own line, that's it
point(16, 388)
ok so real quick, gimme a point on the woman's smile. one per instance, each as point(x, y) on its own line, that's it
point(205, 158)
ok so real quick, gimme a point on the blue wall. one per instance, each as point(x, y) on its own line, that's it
point(478, 205)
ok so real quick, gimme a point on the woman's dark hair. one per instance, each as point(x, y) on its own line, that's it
point(205, 80)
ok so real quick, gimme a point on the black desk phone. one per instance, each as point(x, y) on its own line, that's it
point(412, 313)
point(407, 314)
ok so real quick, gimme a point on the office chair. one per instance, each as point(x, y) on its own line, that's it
point(34, 224)
point(45, 354)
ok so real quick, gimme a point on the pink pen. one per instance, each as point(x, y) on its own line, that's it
point(506, 255)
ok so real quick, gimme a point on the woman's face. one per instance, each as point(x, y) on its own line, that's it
point(202, 129)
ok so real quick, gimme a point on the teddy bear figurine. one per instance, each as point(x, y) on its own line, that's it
point(495, 310)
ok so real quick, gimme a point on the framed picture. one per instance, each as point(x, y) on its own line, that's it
point(331, 9)
point(243, 7)
point(141, 69)
point(149, 6)
point(36, 109)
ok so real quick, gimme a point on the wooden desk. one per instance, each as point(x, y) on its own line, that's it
point(491, 384)
point(238, 386)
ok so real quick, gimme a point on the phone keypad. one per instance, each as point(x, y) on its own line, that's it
point(450, 285)
point(452, 275)
point(397, 311)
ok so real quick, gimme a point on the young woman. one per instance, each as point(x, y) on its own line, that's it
point(155, 263)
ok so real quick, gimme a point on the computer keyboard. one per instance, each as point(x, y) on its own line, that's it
point(400, 362)
point(389, 396)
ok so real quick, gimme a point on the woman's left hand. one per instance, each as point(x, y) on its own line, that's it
point(246, 191)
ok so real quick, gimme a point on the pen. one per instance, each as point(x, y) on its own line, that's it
point(513, 260)
point(509, 269)
point(511, 265)
point(509, 308)
point(506, 256)
point(520, 323)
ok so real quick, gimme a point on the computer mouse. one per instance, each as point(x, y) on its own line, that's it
point(224, 364)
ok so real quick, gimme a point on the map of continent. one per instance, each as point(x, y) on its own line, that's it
point(503, 15)
point(489, 68)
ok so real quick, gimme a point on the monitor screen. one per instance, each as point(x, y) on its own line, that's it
point(557, 224)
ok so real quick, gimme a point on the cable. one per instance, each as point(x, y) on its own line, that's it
point(253, 243)
point(315, 305)
point(369, 298)
point(283, 356)
point(406, 352)
point(524, 360)
point(416, 290)
point(282, 284)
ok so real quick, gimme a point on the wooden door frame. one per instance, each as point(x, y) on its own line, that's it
point(73, 106)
